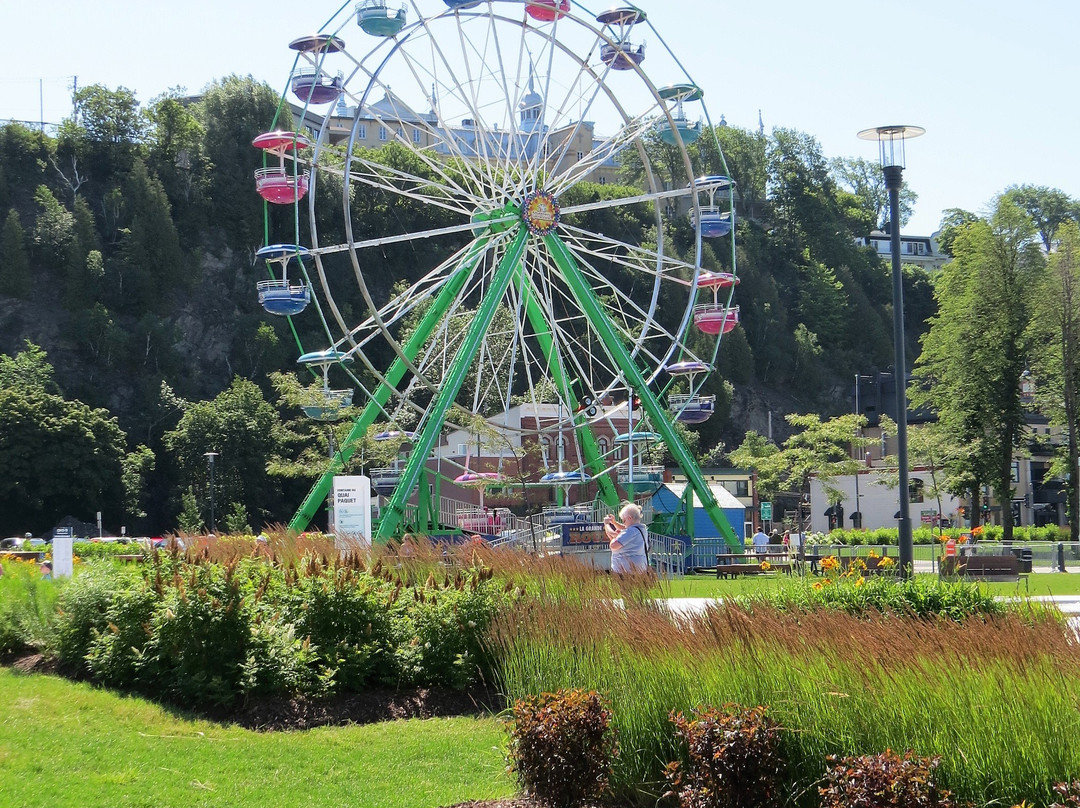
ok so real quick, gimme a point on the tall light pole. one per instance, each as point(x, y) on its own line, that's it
point(891, 141)
point(210, 459)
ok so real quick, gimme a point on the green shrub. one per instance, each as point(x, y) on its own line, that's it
point(83, 612)
point(561, 746)
point(104, 549)
point(344, 617)
point(198, 638)
point(27, 608)
point(917, 597)
point(883, 781)
point(733, 759)
point(441, 631)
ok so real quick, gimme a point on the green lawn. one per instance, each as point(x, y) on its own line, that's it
point(707, 586)
point(66, 744)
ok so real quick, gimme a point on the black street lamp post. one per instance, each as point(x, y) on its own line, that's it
point(210, 459)
point(891, 140)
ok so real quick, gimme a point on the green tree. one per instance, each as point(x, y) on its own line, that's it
point(138, 465)
point(236, 520)
point(865, 179)
point(232, 112)
point(245, 430)
point(1048, 208)
point(977, 347)
point(190, 520)
point(59, 457)
point(1055, 326)
point(28, 371)
point(151, 260)
point(15, 278)
point(54, 230)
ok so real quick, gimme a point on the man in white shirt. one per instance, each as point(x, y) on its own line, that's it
point(761, 542)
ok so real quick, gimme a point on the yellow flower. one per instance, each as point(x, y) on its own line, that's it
point(885, 562)
point(830, 563)
point(817, 586)
point(860, 581)
point(765, 566)
point(872, 554)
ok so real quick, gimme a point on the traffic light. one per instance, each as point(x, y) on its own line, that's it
point(986, 509)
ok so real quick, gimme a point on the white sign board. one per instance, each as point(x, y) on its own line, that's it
point(352, 509)
point(62, 546)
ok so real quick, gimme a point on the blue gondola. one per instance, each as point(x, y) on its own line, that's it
point(283, 298)
point(376, 18)
point(565, 478)
point(279, 296)
point(331, 407)
point(331, 356)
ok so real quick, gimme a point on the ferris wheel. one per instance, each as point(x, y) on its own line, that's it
point(484, 145)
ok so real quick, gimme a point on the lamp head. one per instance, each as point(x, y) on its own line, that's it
point(891, 141)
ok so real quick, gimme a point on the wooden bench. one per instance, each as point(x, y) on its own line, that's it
point(987, 568)
point(730, 565)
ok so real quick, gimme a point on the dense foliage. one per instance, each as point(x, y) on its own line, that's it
point(206, 634)
point(561, 747)
point(733, 758)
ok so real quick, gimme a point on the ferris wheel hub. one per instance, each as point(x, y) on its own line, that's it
point(540, 212)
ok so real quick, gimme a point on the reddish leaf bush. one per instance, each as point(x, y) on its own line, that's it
point(883, 781)
point(733, 759)
point(562, 746)
point(1068, 795)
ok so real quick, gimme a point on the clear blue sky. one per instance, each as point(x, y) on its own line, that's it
point(993, 83)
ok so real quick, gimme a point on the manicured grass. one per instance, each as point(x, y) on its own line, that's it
point(66, 744)
point(708, 586)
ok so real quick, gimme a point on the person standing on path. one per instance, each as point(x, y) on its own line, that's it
point(628, 540)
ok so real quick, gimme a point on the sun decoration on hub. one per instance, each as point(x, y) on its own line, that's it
point(541, 213)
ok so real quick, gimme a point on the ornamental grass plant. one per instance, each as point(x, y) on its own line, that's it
point(992, 695)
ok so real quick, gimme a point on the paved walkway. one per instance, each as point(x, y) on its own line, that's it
point(1069, 604)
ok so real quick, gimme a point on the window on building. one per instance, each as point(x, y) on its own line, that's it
point(580, 156)
point(415, 135)
point(361, 131)
point(739, 488)
point(382, 133)
point(603, 446)
point(545, 449)
point(462, 449)
point(915, 490)
point(603, 180)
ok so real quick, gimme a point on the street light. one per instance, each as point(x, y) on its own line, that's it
point(891, 140)
point(210, 459)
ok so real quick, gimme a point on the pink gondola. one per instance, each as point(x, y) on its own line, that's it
point(716, 319)
point(547, 10)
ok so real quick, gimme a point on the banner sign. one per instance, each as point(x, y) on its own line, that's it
point(352, 507)
point(584, 535)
